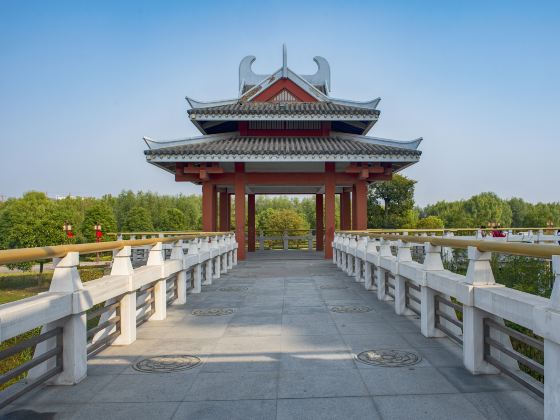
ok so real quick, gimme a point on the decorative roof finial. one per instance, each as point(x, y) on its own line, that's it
point(284, 61)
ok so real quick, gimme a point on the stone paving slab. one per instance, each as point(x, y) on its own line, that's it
point(283, 354)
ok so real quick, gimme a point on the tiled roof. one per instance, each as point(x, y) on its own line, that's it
point(284, 108)
point(282, 146)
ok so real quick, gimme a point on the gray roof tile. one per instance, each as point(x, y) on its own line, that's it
point(285, 108)
point(256, 146)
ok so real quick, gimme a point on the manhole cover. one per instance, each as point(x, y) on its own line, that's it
point(233, 289)
point(350, 309)
point(333, 287)
point(389, 358)
point(167, 363)
point(213, 311)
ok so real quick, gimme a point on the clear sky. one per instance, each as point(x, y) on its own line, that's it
point(82, 82)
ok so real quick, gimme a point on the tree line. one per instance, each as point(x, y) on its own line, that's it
point(35, 220)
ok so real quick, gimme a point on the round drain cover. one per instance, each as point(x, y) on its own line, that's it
point(350, 309)
point(213, 312)
point(233, 289)
point(389, 358)
point(167, 363)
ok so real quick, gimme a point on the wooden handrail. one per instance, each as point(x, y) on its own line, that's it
point(528, 250)
point(11, 256)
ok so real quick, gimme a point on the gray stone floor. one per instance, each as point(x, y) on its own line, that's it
point(283, 354)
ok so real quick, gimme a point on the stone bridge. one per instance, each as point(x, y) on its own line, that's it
point(283, 335)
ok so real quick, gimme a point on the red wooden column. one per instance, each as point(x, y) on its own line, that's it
point(214, 209)
point(251, 222)
point(319, 221)
point(345, 219)
point(208, 207)
point(329, 208)
point(240, 209)
point(224, 211)
point(361, 205)
point(354, 207)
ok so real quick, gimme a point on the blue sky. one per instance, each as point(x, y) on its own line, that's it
point(82, 82)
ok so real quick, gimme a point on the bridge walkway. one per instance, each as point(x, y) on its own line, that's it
point(282, 353)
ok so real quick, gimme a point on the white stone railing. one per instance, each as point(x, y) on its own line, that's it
point(128, 294)
point(437, 295)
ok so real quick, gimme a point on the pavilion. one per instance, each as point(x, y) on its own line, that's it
point(283, 134)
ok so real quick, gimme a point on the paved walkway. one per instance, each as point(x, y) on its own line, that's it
point(283, 354)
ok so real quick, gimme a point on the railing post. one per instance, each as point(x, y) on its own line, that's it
point(261, 240)
point(178, 254)
point(479, 273)
point(432, 262)
point(205, 248)
point(285, 240)
point(384, 251)
point(193, 251)
point(403, 255)
point(369, 274)
point(335, 247)
point(66, 279)
point(122, 266)
point(155, 258)
point(547, 320)
point(222, 242)
point(229, 243)
point(447, 252)
point(350, 255)
point(310, 241)
point(359, 263)
point(234, 245)
point(215, 249)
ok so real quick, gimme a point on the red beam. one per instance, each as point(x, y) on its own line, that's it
point(273, 178)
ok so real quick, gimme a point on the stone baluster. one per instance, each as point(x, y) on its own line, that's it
point(205, 249)
point(178, 254)
point(384, 251)
point(196, 280)
point(432, 262)
point(359, 266)
point(234, 244)
point(310, 241)
point(479, 274)
point(369, 273)
point(446, 251)
point(403, 256)
point(285, 240)
point(261, 240)
point(122, 266)
point(350, 255)
point(222, 242)
point(156, 258)
point(216, 257)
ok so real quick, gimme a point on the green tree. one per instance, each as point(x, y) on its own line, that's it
point(138, 219)
point(488, 207)
point(390, 203)
point(173, 219)
point(101, 213)
point(452, 213)
point(280, 220)
point(430, 222)
point(31, 221)
point(519, 211)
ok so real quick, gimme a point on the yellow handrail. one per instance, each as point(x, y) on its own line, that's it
point(528, 250)
point(11, 256)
